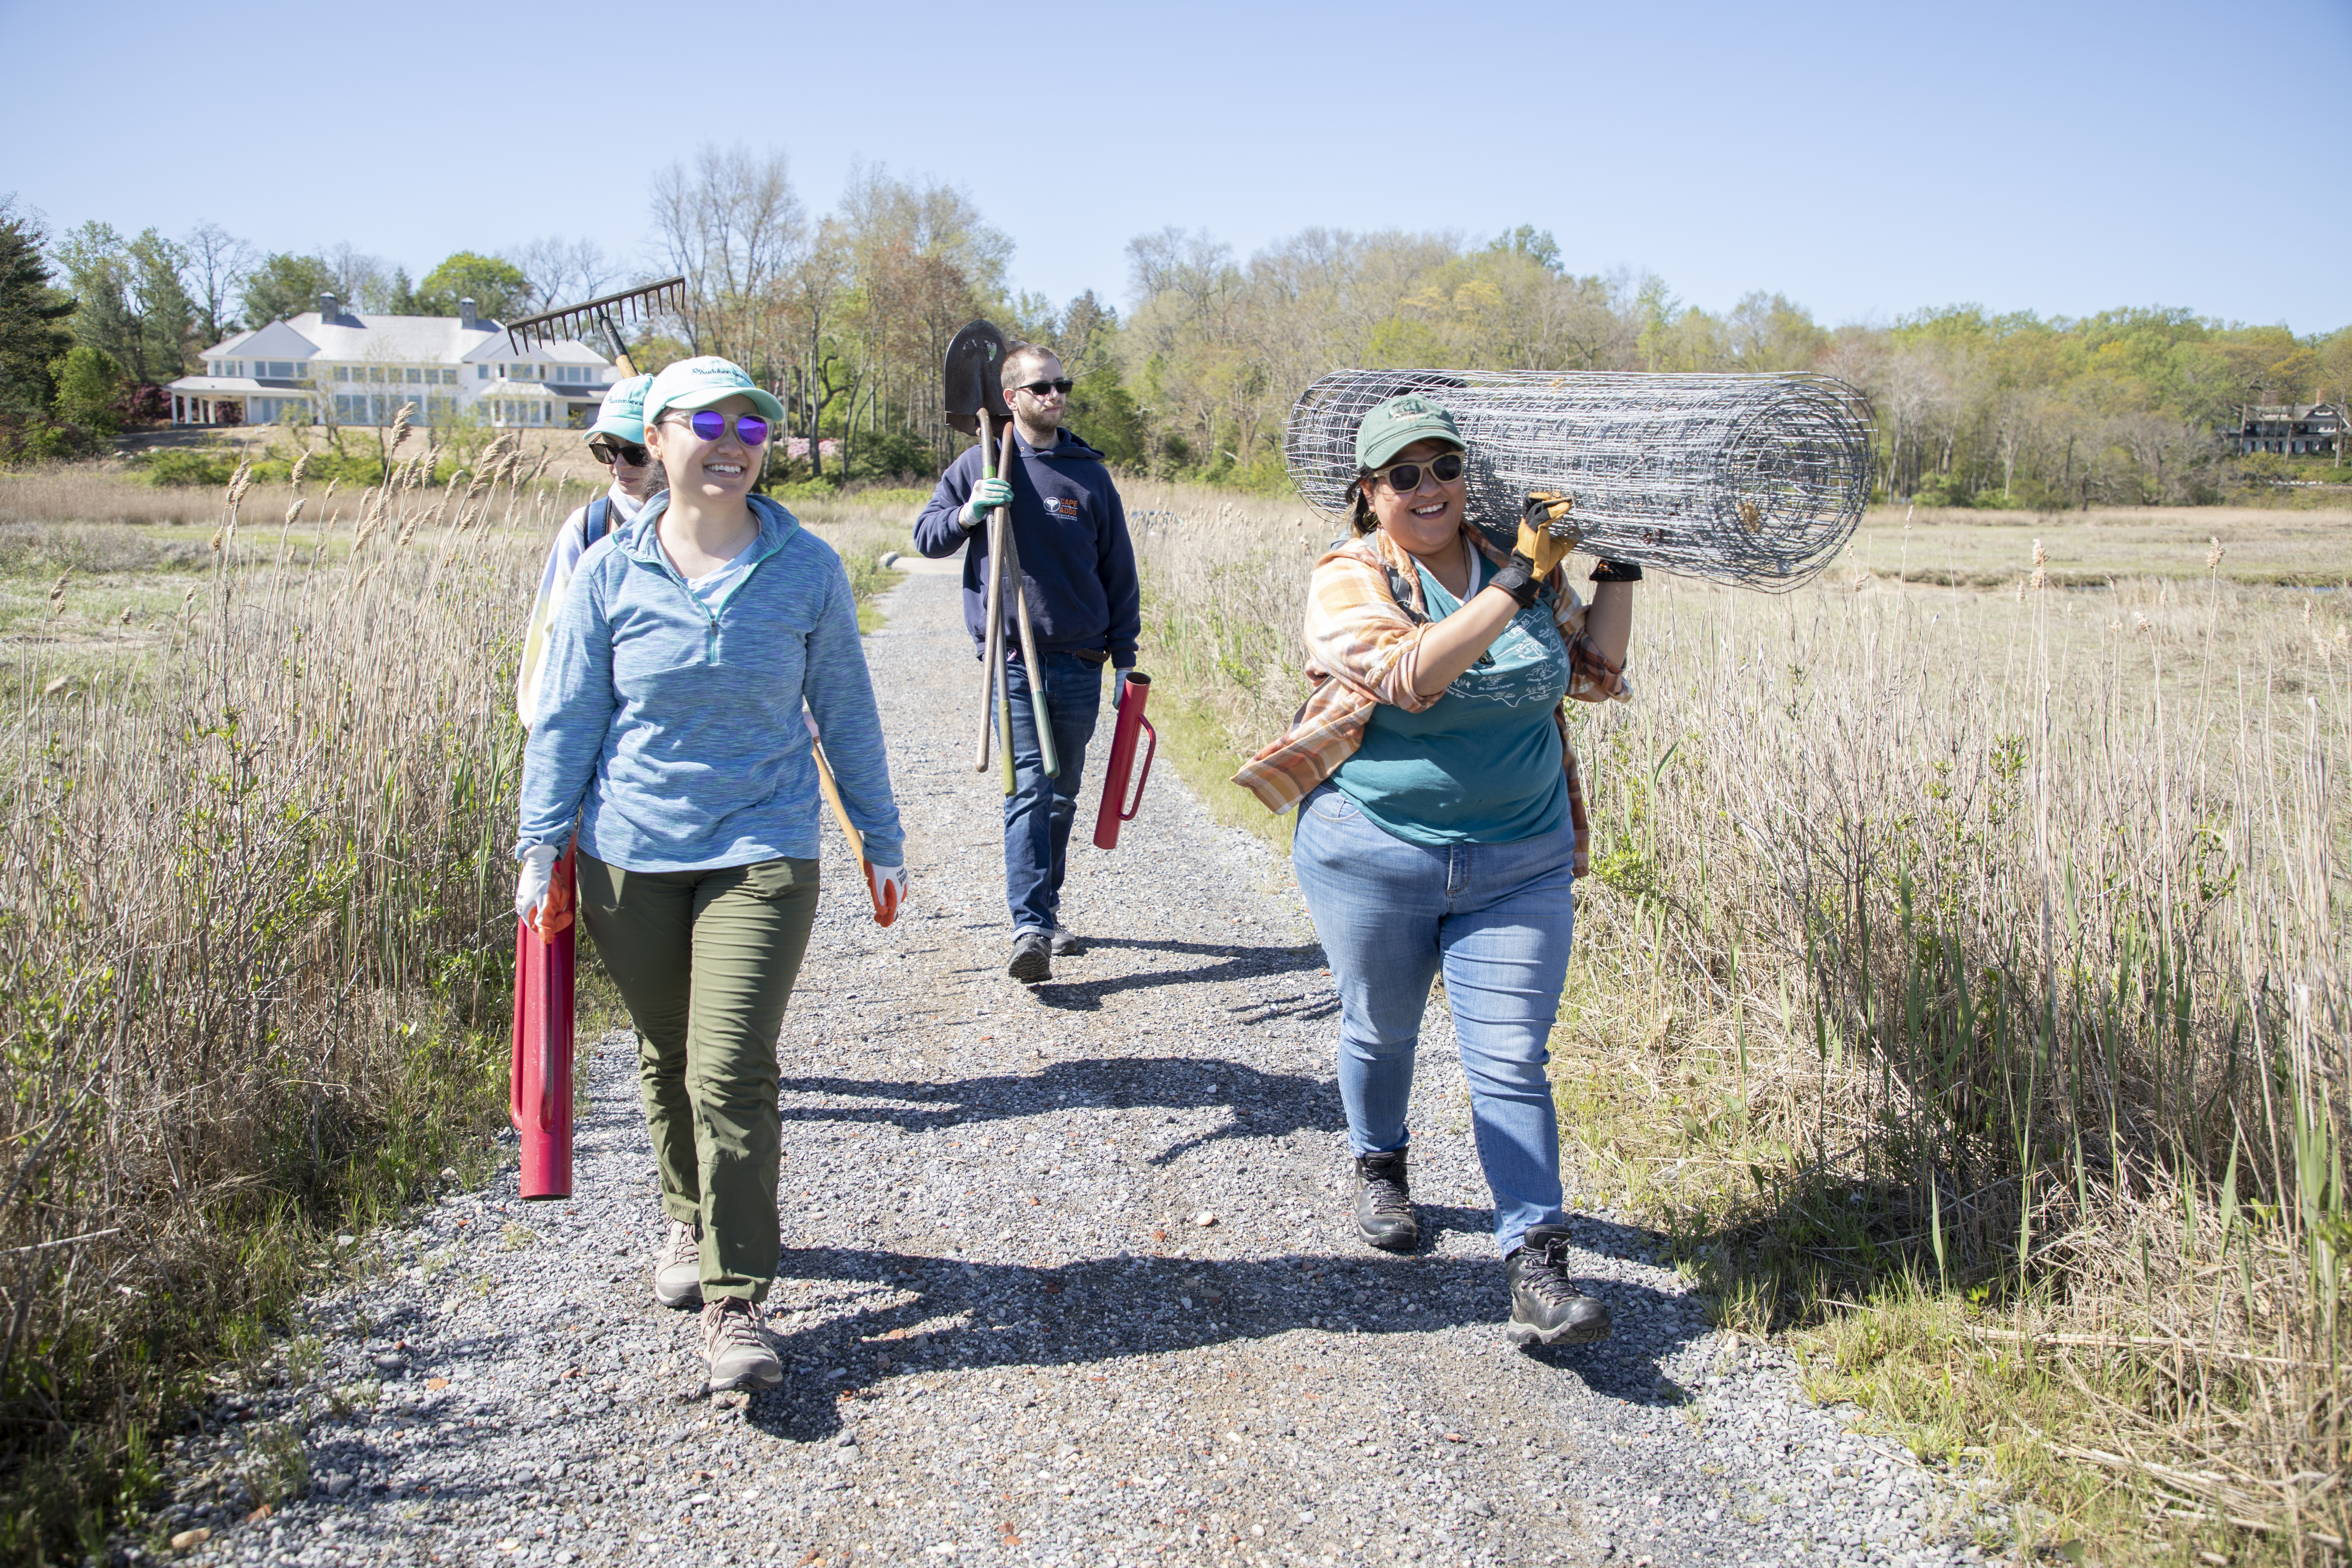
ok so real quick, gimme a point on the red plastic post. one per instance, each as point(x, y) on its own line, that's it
point(539, 1089)
point(1115, 807)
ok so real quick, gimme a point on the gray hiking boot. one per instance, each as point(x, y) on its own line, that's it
point(1384, 1203)
point(1546, 1310)
point(1032, 957)
point(1066, 942)
point(736, 1347)
point(678, 1267)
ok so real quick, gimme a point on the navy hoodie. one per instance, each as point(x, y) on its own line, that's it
point(1076, 557)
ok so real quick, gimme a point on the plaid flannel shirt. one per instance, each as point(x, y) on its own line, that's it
point(1363, 648)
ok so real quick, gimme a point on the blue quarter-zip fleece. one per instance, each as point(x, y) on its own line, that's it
point(1070, 531)
point(681, 729)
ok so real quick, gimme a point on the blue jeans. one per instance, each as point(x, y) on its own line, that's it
point(1497, 919)
point(1037, 814)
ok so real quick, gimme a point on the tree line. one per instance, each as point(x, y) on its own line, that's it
point(846, 314)
point(1974, 408)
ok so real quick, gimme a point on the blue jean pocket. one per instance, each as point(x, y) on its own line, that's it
point(1328, 804)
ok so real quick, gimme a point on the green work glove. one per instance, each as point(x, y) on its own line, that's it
point(987, 495)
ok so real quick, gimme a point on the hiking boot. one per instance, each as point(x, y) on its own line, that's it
point(736, 1348)
point(1032, 957)
point(678, 1267)
point(1545, 1308)
point(1384, 1205)
point(1068, 942)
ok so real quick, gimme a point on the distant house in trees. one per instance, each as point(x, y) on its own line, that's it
point(329, 364)
point(2293, 429)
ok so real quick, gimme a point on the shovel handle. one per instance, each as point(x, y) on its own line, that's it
point(991, 649)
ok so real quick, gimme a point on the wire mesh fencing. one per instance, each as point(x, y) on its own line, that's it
point(1756, 481)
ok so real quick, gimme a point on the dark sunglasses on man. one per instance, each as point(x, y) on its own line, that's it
point(628, 452)
point(1040, 388)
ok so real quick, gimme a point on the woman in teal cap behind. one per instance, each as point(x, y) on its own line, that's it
point(617, 440)
point(668, 726)
point(1440, 825)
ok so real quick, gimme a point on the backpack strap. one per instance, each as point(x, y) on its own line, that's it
point(598, 522)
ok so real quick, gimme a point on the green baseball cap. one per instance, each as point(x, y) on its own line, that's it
point(1390, 428)
point(623, 413)
point(702, 381)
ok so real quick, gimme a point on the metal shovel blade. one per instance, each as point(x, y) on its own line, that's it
point(969, 381)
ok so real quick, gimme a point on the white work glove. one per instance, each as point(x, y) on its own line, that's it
point(887, 884)
point(986, 496)
point(1118, 691)
point(531, 878)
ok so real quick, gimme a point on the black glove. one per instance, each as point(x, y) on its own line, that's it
point(1617, 572)
point(1519, 580)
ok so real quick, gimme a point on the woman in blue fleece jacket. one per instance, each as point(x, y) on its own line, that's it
point(670, 729)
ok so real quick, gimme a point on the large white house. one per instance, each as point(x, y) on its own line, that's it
point(358, 370)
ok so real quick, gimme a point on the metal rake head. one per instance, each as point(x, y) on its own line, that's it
point(570, 323)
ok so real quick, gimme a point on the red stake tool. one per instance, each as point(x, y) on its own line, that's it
point(538, 1089)
point(1114, 808)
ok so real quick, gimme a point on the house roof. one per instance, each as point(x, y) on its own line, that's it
point(233, 384)
point(399, 340)
point(494, 349)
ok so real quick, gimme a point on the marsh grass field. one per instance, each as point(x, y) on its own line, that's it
point(1962, 982)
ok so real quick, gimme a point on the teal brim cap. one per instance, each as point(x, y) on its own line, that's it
point(1390, 428)
point(702, 381)
point(623, 413)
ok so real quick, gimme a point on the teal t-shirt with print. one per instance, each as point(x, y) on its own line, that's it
point(1482, 764)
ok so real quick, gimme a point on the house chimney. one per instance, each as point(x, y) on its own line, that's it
point(326, 307)
point(465, 316)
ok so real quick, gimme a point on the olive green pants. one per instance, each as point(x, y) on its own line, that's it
point(705, 962)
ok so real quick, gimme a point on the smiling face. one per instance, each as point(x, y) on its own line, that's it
point(713, 472)
point(1425, 520)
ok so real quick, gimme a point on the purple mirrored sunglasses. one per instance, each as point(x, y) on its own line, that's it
point(709, 425)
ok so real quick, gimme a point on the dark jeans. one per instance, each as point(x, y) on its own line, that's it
point(1038, 813)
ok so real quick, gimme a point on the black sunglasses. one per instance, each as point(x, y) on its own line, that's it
point(1040, 388)
point(637, 456)
point(1405, 478)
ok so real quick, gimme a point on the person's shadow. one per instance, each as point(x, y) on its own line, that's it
point(1260, 1104)
point(1231, 961)
point(908, 1314)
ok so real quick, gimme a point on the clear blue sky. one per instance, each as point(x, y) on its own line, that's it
point(1866, 160)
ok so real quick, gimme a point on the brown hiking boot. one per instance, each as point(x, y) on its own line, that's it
point(736, 1347)
point(678, 1267)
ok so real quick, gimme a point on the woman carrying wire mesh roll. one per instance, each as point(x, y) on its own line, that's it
point(1440, 825)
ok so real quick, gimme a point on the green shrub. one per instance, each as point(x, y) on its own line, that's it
point(205, 465)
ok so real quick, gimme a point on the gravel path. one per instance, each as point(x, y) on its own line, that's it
point(1066, 1279)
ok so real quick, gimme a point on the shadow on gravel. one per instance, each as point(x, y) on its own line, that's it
point(1105, 1311)
point(1263, 1104)
point(1234, 962)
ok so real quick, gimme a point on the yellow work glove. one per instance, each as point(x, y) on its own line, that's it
point(1548, 535)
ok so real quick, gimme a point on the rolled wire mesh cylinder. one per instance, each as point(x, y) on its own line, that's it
point(1756, 481)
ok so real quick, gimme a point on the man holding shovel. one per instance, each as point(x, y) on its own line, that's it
point(1077, 570)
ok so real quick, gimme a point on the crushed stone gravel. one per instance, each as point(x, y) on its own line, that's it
point(1068, 1278)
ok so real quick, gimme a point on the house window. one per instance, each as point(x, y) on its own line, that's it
point(417, 375)
point(481, 372)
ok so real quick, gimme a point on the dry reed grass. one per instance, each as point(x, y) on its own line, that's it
point(255, 922)
point(1965, 982)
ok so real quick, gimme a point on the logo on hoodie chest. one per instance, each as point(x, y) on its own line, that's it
point(1062, 506)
